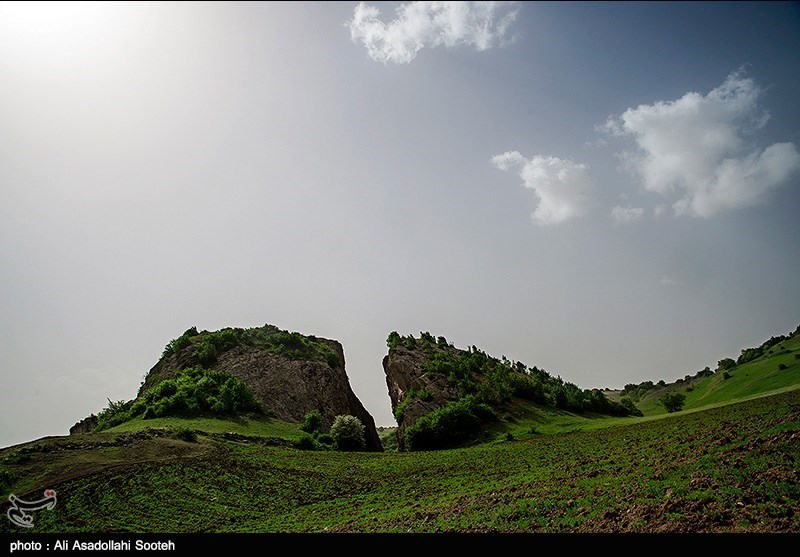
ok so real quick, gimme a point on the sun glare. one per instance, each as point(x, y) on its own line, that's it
point(36, 27)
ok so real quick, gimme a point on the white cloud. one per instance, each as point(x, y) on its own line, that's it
point(693, 145)
point(666, 281)
point(562, 186)
point(659, 210)
point(429, 24)
point(626, 215)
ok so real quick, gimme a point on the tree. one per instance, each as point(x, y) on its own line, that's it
point(312, 423)
point(726, 364)
point(393, 339)
point(348, 433)
point(673, 402)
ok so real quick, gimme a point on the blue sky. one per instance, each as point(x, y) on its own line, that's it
point(606, 190)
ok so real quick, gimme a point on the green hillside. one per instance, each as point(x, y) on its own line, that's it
point(252, 425)
point(777, 368)
point(732, 468)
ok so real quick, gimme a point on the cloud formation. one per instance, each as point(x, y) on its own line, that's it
point(694, 145)
point(562, 186)
point(429, 24)
point(626, 215)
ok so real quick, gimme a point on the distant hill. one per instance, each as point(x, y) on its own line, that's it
point(443, 396)
point(770, 367)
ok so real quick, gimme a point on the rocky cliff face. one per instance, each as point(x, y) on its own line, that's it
point(86, 425)
point(289, 387)
point(405, 373)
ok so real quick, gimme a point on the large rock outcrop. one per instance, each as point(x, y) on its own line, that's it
point(86, 425)
point(288, 387)
point(405, 373)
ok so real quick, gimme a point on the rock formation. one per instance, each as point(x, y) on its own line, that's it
point(405, 371)
point(288, 387)
point(86, 425)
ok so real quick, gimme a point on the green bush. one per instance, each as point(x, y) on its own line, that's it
point(175, 345)
point(400, 410)
point(424, 395)
point(509, 436)
point(393, 340)
point(312, 423)
point(207, 354)
point(726, 375)
point(781, 367)
point(630, 406)
point(6, 479)
point(305, 443)
point(449, 425)
point(726, 364)
point(673, 402)
point(186, 434)
point(114, 414)
point(348, 433)
point(325, 439)
point(196, 391)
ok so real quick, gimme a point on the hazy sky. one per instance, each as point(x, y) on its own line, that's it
point(608, 191)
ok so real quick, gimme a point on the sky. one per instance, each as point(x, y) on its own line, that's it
point(609, 191)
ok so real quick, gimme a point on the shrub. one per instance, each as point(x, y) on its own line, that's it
point(6, 479)
point(195, 391)
point(726, 364)
point(630, 406)
point(726, 375)
point(449, 425)
point(348, 433)
point(424, 395)
point(312, 423)
point(114, 414)
point(400, 410)
point(781, 367)
point(325, 439)
point(207, 354)
point(509, 436)
point(673, 402)
point(175, 345)
point(186, 434)
point(393, 340)
point(305, 443)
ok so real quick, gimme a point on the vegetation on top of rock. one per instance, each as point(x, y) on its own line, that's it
point(191, 392)
point(291, 345)
point(480, 390)
point(495, 381)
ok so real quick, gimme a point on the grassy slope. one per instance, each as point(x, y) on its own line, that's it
point(731, 468)
point(753, 378)
point(252, 425)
